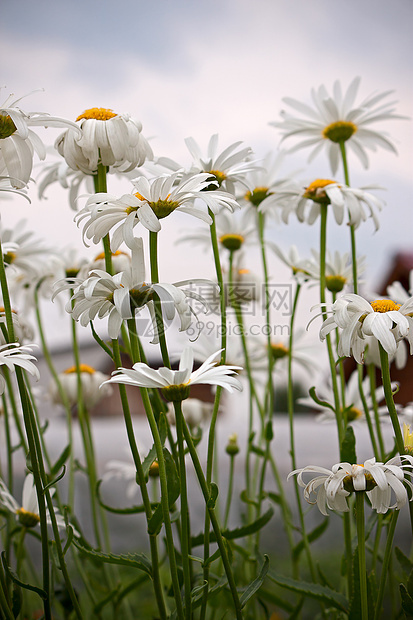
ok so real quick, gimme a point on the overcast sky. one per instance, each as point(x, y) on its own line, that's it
point(223, 66)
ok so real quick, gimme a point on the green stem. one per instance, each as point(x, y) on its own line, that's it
point(385, 376)
point(30, 433)
point(367, 412)
point(100, 183)
point(211, 435)
point(352, 228)
point(361, 553)
point(215, 525)
point(153, 253)
point(157, 584)
point(230, 489)
point(185, 537)
point(323, 251)
point(371, 369)
point(386, 563)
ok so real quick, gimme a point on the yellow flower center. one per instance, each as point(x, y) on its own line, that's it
point(26, 518)
point(340, 131)
point(407, 439)
point(141, 296)
point(7, 126)
point(154, 469)
point(257, 195)
point(161, 208)
point(348, 481)
point(82, 367)
point(232, 242)
point(353, 414)
point(173, 393)
point(335, 284)
point(315, 191)
point(101, 256)
point(384, 305)
point(99, 114)
point(279, 351)
point(219, 176)
point(2, 310)
point(243, 272)
point(9, 257)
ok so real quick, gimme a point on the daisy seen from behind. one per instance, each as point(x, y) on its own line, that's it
point(175, 384)
point(18, 142)
point(12, 355)
point(387, 321)
point(377, 480)
point(151, 201)
point(106, 138)
point(356, 204)
point(337, 119)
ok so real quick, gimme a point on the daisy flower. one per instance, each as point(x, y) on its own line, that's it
point(338, 119)
point(378, 480)
point(291, 259)
point(21, 250)
point(397, 291)
point(302, 354)
point(22, 328)
point(28, 512)
point(234, 231)
point(106, 137)
point(175, 384)
point(122, 296)
point(6, 186)
point(12, 355)
point(151, 201)
point(264, 183)
point(306, 202)
point(387, 321)
point(18, 142)
point(91, 381)
point(226, 168)
point(354, 409)
point(338, 268)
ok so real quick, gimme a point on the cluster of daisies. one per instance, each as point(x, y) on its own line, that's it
point(230, 188)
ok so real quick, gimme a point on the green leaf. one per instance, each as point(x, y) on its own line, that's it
point(213, 496)
point(323, 403)
point(316, 533)
point(16, 580)
point(348, 446)
point(155, 522)
point(269, 433)
point(16, 600)
point(136, 560)
point(130, 510)
point(313, 590)
point(55, 480)
point(238, 532)
point(407, 601)
point(257, 450)
point(276, 600)
point(152, 456)
point(244, 498)
point(61, 460)
point(405, 563)
point(255, 585)
point(410, 584)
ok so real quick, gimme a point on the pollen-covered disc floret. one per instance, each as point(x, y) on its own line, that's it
point(383, 319)
point(175, 384)
point(350, 204)
point(106, 138)
point(378, 480)
point(337, 119)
